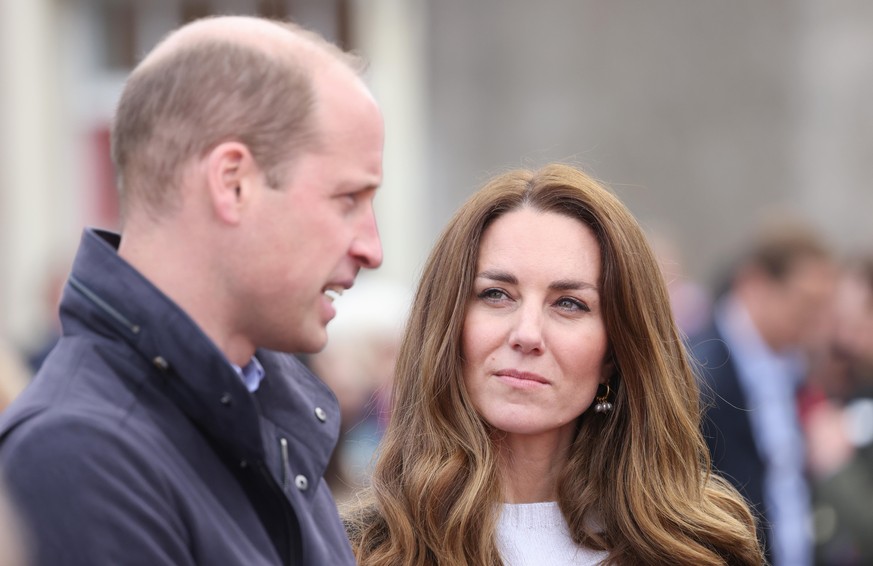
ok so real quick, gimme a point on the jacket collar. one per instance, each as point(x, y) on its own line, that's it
point(105, 294)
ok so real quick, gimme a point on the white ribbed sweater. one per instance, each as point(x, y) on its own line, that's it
point(535, 534)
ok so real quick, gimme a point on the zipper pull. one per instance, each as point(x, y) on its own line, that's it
point(286, 465)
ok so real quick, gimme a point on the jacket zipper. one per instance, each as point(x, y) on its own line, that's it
point(286, 466)
point(103, 305)
point(290, 551)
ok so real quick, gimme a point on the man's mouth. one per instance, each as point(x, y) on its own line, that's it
point(333, 292)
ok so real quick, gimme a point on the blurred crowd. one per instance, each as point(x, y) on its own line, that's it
point(795, 318)
point(784, 345)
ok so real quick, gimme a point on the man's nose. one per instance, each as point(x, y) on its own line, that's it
point(367, 245)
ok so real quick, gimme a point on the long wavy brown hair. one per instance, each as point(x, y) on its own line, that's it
point(637, 482)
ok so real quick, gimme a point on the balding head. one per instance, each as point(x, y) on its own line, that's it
point(214, 80)
point(270, 36)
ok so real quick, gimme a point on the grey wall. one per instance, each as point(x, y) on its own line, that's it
point(701, 115)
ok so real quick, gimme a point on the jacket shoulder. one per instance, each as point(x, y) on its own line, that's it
point(64, 470)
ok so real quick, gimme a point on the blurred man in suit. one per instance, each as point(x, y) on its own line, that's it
point(751, 365)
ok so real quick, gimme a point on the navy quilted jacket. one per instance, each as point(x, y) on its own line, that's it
point(137, 443)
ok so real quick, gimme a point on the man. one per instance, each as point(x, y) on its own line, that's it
point(840, 424)
point(751, 366)
point(165, 428)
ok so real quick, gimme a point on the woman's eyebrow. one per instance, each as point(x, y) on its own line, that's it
point(571, 285)
point(501, 276)
point(560, 285)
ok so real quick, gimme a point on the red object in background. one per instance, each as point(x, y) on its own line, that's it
point(103, 209)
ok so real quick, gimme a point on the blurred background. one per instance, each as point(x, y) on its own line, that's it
point(706, 118)
point(702, 116)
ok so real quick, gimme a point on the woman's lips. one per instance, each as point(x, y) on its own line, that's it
point(521, 378)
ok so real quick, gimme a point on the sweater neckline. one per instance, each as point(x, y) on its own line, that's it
point(545, 514)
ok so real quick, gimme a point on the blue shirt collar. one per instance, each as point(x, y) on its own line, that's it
point(251, 374)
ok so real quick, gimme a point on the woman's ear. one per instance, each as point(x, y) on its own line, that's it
point(608, 369)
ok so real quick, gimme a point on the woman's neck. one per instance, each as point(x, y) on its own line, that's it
point(530, 465)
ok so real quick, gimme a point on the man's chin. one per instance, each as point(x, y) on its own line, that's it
point(314, 342)
point(309, 341)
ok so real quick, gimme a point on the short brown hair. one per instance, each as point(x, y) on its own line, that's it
point(781, 244)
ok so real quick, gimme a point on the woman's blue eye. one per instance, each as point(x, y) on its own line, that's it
point(571, 304)
point(492, 294)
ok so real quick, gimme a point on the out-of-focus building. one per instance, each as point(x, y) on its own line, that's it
point(699, 114)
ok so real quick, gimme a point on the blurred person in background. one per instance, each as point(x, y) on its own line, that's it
point(12, 547)
point(752, 364)
point(543, 408)
point(52, 288)
point(169, 425)
point(839, 426)
point(14, 376)
point(689, 300)
point(358, 365)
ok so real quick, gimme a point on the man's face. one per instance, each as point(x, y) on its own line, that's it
point(853, 334)
point(799, 304)
point(314, 233)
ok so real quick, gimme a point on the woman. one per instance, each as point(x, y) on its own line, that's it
point(541, 383)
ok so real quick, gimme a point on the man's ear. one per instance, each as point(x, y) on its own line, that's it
point(230, 173)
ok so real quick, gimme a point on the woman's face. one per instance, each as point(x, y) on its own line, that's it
point(534, 341)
